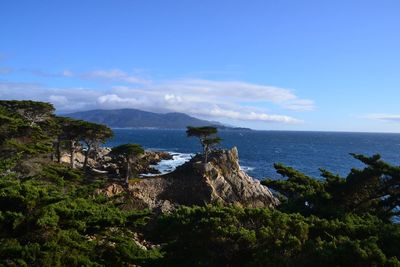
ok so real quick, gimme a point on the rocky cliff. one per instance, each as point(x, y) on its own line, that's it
point(219, 181)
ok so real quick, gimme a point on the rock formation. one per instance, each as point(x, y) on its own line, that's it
point(100, 161)
point(219, 181)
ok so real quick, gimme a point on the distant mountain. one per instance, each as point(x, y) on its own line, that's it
point(134, 118)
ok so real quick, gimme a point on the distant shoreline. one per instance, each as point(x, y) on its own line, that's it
point(255, 130)
point(179, 129)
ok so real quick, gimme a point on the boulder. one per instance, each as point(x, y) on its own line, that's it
point(111, 190)
point(154, 157)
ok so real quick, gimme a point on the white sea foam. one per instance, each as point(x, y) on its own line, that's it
point(169, 165)
point(178, 159)
point(247, 168)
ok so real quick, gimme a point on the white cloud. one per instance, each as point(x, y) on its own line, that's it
point(45, 74)
point(67, 73)
point(203, 98)
point(231, 89)
point(235, 91)
point(58, 100)
point(204, 103)
point(191, 90)
point(300, 105)
point(172, 99)
point(114, 75)
point(113, 99)
point(385, 117)
point(248, 116)
point(65, 100)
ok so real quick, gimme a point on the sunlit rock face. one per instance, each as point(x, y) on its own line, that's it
point(220, 180)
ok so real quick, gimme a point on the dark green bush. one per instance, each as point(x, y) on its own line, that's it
point(232, 236)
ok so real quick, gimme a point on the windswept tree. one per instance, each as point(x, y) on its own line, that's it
point(26, 126)
point(130, 152)
point(11, 127)
point(207, 136)
point(32, 111)
point(92, 135)
point(75, 131)
point(70, 133)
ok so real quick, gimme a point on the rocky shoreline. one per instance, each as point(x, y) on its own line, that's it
point(101, 161)
point(220, 180)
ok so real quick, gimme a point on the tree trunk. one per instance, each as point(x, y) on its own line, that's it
point(58, 151)
point(53, 152)
point(72, 151)
point(205, 152)
point(128, 171)
point(86, 156)
point(96, 147)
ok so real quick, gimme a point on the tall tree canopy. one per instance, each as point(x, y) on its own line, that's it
point(25, 131)
point(207, 137)
point(32, 111)
point(71, 132)
point(93, 134)
point(74, 131)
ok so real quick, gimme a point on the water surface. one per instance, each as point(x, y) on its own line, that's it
point(259, 150)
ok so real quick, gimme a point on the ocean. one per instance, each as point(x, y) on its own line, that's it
point(259, 150)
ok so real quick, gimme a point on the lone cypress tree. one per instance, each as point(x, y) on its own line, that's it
point(129, 152)
point(207, 137)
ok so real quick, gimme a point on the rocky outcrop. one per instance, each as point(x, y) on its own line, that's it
point(219, 181)
point(150, 158)
point(100, 161)
point(231, 185)
point(111, 190)
point(154, 157)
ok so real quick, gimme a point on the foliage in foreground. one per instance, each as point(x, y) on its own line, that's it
point(51, 216)
point(46, 224)
point(49, 213)
point(374, 190)
point(233, 236)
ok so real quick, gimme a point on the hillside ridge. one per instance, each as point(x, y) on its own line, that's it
point(135, 118)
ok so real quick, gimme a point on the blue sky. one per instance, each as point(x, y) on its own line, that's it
point(279, 65)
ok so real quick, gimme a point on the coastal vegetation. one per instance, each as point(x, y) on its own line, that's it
point(52, 214)
point(373, 190)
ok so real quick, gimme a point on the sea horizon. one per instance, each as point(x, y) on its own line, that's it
point(258, 130)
